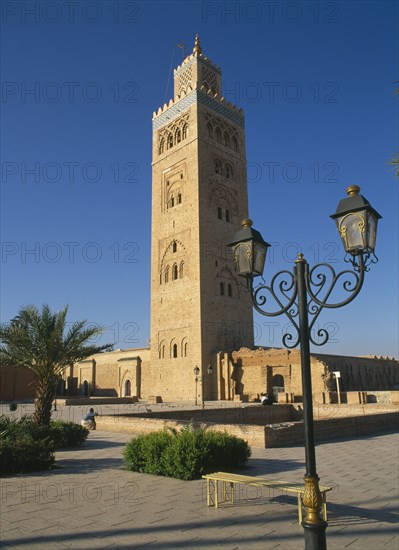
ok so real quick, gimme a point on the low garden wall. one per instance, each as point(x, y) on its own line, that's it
point(96, 401)
point(255, 435)
point(286, 436)
point(327, 411)
point(256, 414)
point(272, 435)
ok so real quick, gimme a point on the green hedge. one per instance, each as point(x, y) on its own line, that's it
point(26, 447)
point(25, 454)
point(62, 434)
point(187, 454)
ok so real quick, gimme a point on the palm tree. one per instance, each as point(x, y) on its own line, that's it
point(40, 342)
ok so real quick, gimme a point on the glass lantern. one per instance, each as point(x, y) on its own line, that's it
point(249, 250)
point(356, 222)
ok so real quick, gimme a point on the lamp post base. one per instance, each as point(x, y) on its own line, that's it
point(315, 535)
point(314, 526)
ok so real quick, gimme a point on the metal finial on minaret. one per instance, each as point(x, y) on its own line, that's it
point(197, 48)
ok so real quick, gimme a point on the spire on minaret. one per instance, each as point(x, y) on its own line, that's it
point(197, 48)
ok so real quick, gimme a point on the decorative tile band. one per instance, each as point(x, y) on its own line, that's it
point(234, 116)
point(204, 99)
point(174, 111)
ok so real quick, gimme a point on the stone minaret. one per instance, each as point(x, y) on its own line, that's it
point(199, 197)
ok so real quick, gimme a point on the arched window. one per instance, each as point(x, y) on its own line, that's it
point(172, 201)
point(185, 349)
point(228, 171)
point(179, 198)
point(174, 273)
point(162, 350)
point(169, 142)
point(160, 278)
point(229, 290)
point(174, 351)
point(185, 128)
point(218, 135)
point(221, 289)
point(181, 270)
point(174, 246)
point(226, 139)
point(128, 388)
point(178, 136)
point(218, 167)
point(210, 130)
point(166, 274)
point(220, 216)
point(227, 216)
point(161, 146)
point(234, 143)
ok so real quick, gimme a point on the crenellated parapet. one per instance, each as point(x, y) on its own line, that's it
point(214, 102)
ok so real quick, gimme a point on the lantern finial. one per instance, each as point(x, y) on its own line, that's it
point(247, 223)
point(352, 190)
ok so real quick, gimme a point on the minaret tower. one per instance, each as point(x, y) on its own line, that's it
point(199, 197)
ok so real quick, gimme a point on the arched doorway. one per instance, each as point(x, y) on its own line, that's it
point(128, 388)
point(277, 385)
point(85, 388)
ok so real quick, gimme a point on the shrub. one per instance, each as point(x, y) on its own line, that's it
point(25, 454)
point(62, 434)
point(66, 434)
point(26, 447)
point(147, 453)
point(187, 454)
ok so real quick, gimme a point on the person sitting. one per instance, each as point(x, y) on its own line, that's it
point(264, 398)
point(89, 419)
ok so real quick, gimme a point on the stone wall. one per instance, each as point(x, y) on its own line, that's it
point(109, 374)
point(255, 414)
point(352, 427)
point(258, 370)
point(261, 370)
point(255, 435)
point(329, 411)
point(274, 435)
point(361, 373)
point(16, 384)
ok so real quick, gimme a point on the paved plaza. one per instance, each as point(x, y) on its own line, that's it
point(90, 502)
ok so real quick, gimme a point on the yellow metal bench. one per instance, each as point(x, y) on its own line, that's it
point(228, 482)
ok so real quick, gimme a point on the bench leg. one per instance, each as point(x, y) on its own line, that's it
point(324, 507)
point(210, 492)
point(299, 509)
point(228, 491)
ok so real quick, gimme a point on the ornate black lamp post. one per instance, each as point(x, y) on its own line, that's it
point(302, 295)
point(198, 379)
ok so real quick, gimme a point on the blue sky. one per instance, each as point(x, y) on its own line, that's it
point(79, 85)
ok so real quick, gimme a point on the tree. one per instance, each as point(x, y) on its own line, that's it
point(40, 342)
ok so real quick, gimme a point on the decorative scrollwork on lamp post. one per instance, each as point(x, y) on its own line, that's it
point(302, 295)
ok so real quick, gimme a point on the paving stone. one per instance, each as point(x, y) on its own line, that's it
point(103, 506)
